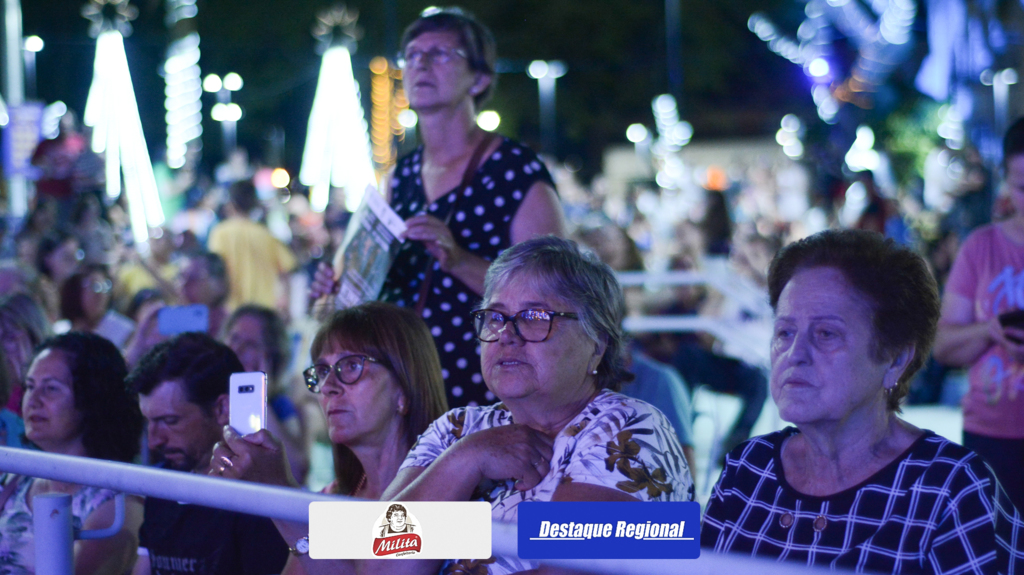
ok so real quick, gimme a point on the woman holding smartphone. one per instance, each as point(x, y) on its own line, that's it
point(983, 285)
point(378, 380)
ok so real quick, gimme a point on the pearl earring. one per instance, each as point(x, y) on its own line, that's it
point(594, 372)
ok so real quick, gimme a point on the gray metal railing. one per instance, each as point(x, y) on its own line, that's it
point(293, 505)
point(735, 332)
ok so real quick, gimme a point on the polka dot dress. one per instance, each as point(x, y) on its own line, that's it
point(481, 215)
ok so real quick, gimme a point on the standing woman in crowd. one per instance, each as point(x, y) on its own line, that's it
point(75, 403)
point(983, 284)
point(465, 194)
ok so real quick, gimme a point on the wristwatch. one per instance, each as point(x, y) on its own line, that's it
point(301, 547)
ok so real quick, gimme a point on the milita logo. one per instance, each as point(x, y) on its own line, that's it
point(396, 533)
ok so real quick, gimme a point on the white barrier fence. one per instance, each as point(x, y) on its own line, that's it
point(748, 337)
point(293, 505)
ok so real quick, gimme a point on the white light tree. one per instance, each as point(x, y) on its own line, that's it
point(113, 113)
point(880, 30)
point(337, 152)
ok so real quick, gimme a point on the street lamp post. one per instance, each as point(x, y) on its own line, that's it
point(14, 92)
point(546, 73)
point(225, 111)
point(30, 46)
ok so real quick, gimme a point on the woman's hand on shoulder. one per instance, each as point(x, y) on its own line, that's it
point(510, 451)
point(259, 457)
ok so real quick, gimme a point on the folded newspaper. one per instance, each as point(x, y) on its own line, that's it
point(370, 245)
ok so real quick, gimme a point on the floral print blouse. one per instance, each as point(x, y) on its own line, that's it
point(17, 543)
point(616, 442)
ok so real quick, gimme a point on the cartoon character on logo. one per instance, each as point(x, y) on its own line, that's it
point(396, 533)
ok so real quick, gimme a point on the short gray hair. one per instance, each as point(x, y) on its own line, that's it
point(585, 282)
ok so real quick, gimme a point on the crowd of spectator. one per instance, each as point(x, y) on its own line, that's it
point(497, 357)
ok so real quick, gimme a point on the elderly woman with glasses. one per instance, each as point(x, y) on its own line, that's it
point(852, 485)
point(551, 347)
point(465, 194)
point(379, 384)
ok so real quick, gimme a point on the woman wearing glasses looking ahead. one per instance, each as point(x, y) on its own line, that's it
point(379, 384)
point(551, 347)
point(465, 194)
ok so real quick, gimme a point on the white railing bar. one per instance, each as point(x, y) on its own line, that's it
point(662, 278)
point(293, 505)
point(726, 330)
point(733, 288)
point(673, 323)
point(232, 495)
point(114, 528)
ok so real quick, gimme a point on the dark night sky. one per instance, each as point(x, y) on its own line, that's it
point(615, 51)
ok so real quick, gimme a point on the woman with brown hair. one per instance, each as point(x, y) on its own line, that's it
point(379, 383)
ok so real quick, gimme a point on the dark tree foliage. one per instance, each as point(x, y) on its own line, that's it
point(615, 52)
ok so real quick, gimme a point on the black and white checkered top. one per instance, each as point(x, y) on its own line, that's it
point(936, 509)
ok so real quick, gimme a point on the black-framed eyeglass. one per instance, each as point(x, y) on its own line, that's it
point(348, 370)
point(533, 325)
point(436, 55)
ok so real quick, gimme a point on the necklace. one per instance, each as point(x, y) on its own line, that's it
point(360, 485)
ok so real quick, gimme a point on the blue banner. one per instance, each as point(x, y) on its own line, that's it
point(20, 138)
point(609, 530)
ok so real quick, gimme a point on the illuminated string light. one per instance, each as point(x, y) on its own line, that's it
point(337, 152)
point(673, 134)
point(636, 133)
point(880, 29)
point(488, 120)
point(862, 156)
point(381, 89)
point(113, 113)
point(182, 98)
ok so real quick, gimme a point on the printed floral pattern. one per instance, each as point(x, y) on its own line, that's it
point(17, 544)
point(616, 442)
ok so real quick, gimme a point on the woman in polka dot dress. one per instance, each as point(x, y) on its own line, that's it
point(448, 72)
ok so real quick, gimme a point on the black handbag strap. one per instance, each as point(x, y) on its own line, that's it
point(467, 177)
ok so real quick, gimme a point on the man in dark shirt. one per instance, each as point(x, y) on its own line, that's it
point(183, 393)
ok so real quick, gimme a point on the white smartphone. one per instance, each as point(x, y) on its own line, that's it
point(247, 402)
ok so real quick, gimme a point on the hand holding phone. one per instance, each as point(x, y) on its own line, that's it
point(172, 320)
point(1012, 319)
point(247, 402)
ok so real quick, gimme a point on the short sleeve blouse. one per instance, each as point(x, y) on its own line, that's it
point(480, 222)
point(616, 442)
point(17, 542)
